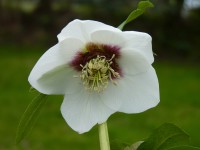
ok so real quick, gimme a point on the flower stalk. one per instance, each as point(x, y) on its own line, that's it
point(104, 137)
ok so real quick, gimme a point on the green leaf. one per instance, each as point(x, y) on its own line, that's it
point(134, 146)
point(165, 137)
point(30, 116)
point(185, 147)
point(118, 145)
point(142, 5)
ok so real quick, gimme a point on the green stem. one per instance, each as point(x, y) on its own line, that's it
point(103, 137)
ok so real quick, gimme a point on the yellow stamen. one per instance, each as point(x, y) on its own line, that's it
point(97, 72)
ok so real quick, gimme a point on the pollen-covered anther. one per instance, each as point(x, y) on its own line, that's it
point(97, 73)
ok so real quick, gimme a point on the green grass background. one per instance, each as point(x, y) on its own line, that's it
point(180, 104)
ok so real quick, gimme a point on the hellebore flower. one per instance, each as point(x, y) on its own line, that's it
point(100, 70)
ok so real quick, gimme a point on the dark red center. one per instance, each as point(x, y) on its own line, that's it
point(92, 51)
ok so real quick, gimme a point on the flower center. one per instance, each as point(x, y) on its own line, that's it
point(97, 72)
point(97, 64)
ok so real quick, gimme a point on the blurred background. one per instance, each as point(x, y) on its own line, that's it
point(29, 27)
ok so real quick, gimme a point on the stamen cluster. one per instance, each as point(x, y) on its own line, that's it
point(97, 72)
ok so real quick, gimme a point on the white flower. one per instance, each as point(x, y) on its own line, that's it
point(100, 70)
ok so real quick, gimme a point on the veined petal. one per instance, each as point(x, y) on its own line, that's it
point(141, 92)
point(83, 110)
point(141, 42)
point(108, 37)
point(82, 29)
point(132, 62)
point(53, 62)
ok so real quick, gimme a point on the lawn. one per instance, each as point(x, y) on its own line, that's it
point(180, 104)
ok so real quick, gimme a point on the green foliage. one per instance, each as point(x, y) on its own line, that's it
point(30, 116)
point(142, 6)
point(117, 145)
point(184, 148)
point(165, 137)
point(134, 146)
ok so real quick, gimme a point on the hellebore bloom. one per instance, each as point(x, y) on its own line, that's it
point(100, 70)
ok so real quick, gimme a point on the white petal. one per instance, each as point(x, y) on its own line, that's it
point(141, 42)
point(113, 96)
point(58, 81)
point(133, 93)
point(108, 37)
point(132, 62)
point(83, 110)
point(54, 66)
point(141, 92)
point(82, 29)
